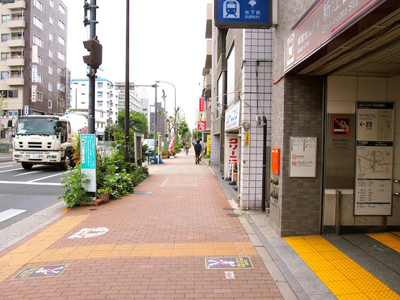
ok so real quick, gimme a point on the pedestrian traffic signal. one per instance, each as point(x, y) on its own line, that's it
point(95, 58)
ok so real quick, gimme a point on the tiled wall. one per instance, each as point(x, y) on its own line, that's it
point(256, 94)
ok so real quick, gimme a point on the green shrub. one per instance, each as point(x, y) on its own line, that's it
point(72, 181)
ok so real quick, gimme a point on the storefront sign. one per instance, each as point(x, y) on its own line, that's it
point(232, 152)
point(201, 125)
point(34, 73)
point(325, 21)
point(303, 156)
point(208, 144)
point(88, 160)
point(243, 14)
point(33, 93)
point(201, 104)
point(26, 110)
point(232, 117)
point(374, 161)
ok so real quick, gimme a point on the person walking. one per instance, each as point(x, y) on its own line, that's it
point(187, 146)
point(202, 149)
point(197, 150)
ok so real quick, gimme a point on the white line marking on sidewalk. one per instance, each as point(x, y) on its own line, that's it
point(27, 173)
point(30, 183)
point(196, 182)
point(9, 213)
point(165, 182)
point(45, 177)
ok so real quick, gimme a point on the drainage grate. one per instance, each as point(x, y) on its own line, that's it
point(143, 193)
point(233, 215)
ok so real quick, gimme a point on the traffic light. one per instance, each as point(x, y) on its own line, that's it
point(95, 58)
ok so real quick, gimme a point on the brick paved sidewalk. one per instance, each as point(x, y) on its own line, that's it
point(152, 244)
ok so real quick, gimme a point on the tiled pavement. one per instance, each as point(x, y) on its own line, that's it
point(149, 245)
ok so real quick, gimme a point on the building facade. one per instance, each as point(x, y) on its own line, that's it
point(33, 61)
point(309, 107)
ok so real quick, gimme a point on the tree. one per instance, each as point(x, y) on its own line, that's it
point(183, 130)
point(137, 121)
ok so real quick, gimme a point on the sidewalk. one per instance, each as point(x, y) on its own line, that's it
point(182, 236)
point(152, 244)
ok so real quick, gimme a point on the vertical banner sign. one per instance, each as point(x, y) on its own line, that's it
point(201, 125)
point(374, 159)
point(201, 104)
point(26, 110)
point(33, 95)
point(34, 73)
point(88, 160)
point(303, 156)
point(231, 152)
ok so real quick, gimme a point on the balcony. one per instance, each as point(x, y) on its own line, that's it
point(15, 43)
point(19, 4)
point(16, 62)
point(12, 24)
point(15, 81)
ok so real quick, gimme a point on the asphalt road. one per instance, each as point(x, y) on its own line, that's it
point(23, 193)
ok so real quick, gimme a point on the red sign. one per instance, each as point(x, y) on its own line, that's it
point(201, 125)
point(341, 126)
point(201, 104)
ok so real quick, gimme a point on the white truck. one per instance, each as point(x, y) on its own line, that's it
point(47, 139)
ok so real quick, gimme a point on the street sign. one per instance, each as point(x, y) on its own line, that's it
point(26, 110)
point(88, 160)
point(201, 125)
point(243, 13)
point(201, 104)
point(40, 272)
point(229, 263)
point(341, 126)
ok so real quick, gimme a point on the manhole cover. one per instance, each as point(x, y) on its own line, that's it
point(233, 215)
point(143, 193)
point(229, 208)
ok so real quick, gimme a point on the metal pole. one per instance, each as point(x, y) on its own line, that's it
point(155, 121)
point(264, 169)
point(92, 73)
point(127, 96)
point(338, 213)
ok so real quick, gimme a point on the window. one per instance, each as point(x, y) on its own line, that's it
point(4, 75)
point(61, 25)
point(38, 23)
point(51, 20)
point(37, 41)
point(99, 84)
point(50, 70)
point(38, 4)
point(60, 87)
point(61, 40)
point(40, 60)
point(5, 55)
point(51, 38)
point(61, 9)
point(50, 53)
point(100, 94)
point(61, 72)
point(50, 86)
point(39, 78)
point(51, 3)
point(49, 104)
point(10, 94)
point(5, 18)
point(61, 56)
point(39, 96)
point(5, 37)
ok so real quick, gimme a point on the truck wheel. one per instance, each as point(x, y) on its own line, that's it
point(67, 162)
point(27, 166)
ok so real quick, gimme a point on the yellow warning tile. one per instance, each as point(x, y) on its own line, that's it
point(316, 240)
point(320, 265)
point(389, 239)
point(204, 249)
point(343, 287)
point(142, 250)
point(163, 250)
point(296, 241)
point(331, 275)
point(81, 252)
point(64, 211)
point(122, 250)
point(345, 263)
point(245, 248)
point(313, 256)
point(334, 255)
point(184, 249)
point(371, 285)
point(304, 249)
point(387, 295)
point(325, 248)
point(360, 296)
point(356, 273)
point(225, 249)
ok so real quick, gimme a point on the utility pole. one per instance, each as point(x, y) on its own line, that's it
point(155, 122)
point(127, 86)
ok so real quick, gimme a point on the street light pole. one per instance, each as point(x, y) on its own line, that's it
point(127, 86)
point(175, 127)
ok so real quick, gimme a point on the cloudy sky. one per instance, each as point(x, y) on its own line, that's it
point(167, 43)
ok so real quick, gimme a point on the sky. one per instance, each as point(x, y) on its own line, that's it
point(167, 43)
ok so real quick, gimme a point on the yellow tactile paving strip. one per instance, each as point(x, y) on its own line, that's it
point(391, 240)
point(345, 278)
point(15, 259)
point(147, 250)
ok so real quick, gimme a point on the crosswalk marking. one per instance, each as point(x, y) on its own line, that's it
point(30, 183)
point(9, 213)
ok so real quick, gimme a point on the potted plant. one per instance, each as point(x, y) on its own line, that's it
point(104, 194)
point(164, 154)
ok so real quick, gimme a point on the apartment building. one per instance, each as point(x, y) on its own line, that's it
point(33, 60)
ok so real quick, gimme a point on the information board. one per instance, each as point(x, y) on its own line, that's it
point(303, 156)
point(88, 161)
point(374, 159)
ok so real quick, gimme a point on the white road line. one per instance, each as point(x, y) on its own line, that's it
point(45, 177)
point(6, 166)
point(26, 173)
point(9, 170)
point(30, 183)
point(9, 213)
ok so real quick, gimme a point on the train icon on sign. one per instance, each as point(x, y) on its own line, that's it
point(231, 9)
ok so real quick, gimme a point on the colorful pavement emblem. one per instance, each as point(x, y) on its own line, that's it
point(228, 263)
point(40, 272)
point(89, 233)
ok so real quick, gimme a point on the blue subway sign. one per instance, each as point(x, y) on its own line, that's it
point(243, 13)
